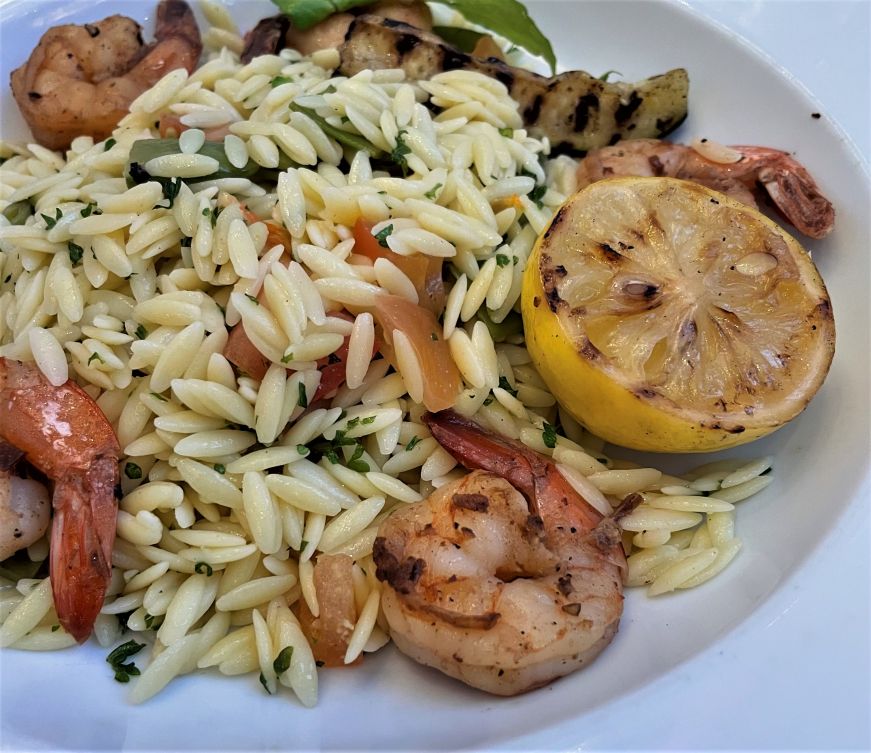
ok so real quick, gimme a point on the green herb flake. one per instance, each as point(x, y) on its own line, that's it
point(263, 683)
point(282, 661)
point(96, 356)
point(76, 252)
point(537, 194)
point(506, 385)
point(131, 470)
point(55, 628)
point(109, 144)
point(502, 260)
point(356, 463)
point(149, 620)
point(141, 332)
point(158, 396)
point(353, 422)
point(287, 357)
point(302, 400)
point(50, 222)
point(508, 133)
point(607, 74)
point(220, 468)
point(279, 80)
point(203, 567)
point(368, 420)
point(489, 400)
point(252, 299)
point(302, 449)
point(302, 545)
point(433, 192)
point(383, 234)
point(119, 655)
point(399, 154)
point(90, 209)
point(548, 436)
point(412, 443)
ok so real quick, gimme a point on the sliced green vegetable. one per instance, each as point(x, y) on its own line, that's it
point(18, 212)
point(501, 331)
point(352, 140)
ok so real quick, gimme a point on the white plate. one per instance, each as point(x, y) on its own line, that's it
point(629, 697)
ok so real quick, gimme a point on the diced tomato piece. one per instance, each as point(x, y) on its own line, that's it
point(240, 351)
point(420, 326)
point(425, 272)
point(330, 632)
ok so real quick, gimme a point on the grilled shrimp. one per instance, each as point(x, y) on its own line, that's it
point(81, 80)
point(24, 506)
point(505, 579)
point(63, 434)
point(786, 181)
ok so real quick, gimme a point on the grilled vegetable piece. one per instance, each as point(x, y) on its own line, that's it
point(575, 110)
point(266, 38)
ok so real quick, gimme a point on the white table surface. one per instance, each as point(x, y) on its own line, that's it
point(729, 698)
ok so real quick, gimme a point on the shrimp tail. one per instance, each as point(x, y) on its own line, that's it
point(81, 544)
point(533, 475)
point(796, 195)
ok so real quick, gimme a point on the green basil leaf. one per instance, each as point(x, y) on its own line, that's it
point(462, 39)
point(306, 13)
point(509, 19)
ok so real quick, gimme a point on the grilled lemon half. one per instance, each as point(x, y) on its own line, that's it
point(667, 317)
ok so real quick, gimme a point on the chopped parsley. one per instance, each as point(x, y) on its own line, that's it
point(506, 385)
point(141, 332)
point(537, 194)
point(118, 656)
point(90, 209)
point(109, 144)
point(50, 222)
point(302, 449)
point(287, 357)
point(433, 192)
point(279, 80)
point(76, 252)
point(607, 74)
point(548, 436)
point(355, 463)
point(264, 684)
point(368, 420)
point(383, 234)
point(502, 260)
point(97, 356)
point(203, 567)
point(400, 153)
point(220, 468)
point(302, 400)
point(131, 470)
point(412, 443)
point(282, 661)
point(508, 133)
